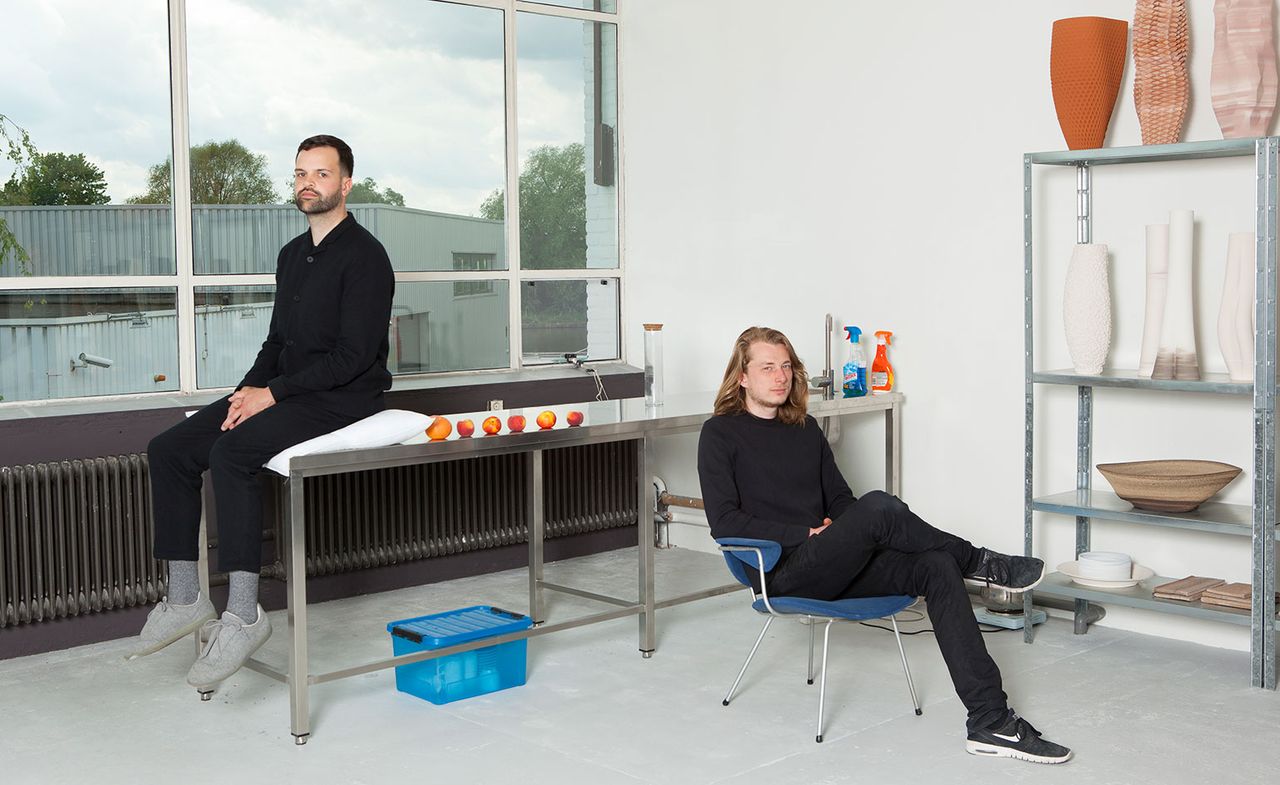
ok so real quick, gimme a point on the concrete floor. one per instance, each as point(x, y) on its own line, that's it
point(1135, 708)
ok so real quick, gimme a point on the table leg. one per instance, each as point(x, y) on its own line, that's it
point(645, 511)
point(202, 570)
point(535, 514)
point(296, 576)
point(893, 450)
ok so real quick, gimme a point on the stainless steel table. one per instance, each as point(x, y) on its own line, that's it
point(606, 421)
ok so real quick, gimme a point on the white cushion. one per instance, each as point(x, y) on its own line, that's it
point(387, 427)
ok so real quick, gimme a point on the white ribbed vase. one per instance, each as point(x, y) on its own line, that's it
point(1086, 308)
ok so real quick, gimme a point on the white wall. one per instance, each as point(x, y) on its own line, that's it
point(784, 160)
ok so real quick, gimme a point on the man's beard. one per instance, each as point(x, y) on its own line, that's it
point(319, 204)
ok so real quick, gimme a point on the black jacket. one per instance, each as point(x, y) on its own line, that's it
point(327, 343)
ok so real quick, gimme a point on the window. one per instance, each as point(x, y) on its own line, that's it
point(472, 262)
point(90, 242)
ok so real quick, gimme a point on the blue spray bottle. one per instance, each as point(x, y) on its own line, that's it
point(855, 370)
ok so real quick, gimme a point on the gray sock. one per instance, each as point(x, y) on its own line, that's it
point(243, 599)
point(184, 582)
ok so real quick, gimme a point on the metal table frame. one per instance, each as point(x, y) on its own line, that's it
point(644, 431)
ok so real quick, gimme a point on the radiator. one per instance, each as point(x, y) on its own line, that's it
point(387, 516)
point(75, 536)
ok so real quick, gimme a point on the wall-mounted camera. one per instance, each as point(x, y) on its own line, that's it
point(85, 360)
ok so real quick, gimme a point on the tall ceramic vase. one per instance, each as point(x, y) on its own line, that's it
point(1086, 66)
point(1243, 76)
point(1160, 84)
point(1086, 308)
point(1235, 317)
point(1157, 285)
point(1176, 358)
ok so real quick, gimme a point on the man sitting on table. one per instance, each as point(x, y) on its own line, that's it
point(768, 473)
point(323, 366)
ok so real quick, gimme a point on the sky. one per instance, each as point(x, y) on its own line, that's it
point(416, 88)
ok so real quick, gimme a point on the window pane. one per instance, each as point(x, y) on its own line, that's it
point(558, 317)
point(449, 326)
point(90, 85)
point(416, 90)
point(74, 342)
point(568, 161)
point(231, 324)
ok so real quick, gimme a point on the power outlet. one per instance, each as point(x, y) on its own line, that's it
point(495, 405)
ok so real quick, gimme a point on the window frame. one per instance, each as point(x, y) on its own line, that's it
point(186, 280)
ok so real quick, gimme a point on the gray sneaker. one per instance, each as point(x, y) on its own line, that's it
point(168, 623)
point(231, 643)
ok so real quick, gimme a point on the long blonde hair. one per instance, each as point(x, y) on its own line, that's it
point(731, 399)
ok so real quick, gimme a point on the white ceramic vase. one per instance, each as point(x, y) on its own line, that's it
point(1176, 358)
point(1086, 308)
point(1157, 284)
point(1235, 317)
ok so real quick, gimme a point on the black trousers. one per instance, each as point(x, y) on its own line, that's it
point(879, 547)
point(178, 457)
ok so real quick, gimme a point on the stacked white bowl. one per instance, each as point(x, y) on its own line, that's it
point(1105, 565)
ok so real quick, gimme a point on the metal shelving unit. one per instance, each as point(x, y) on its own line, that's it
point(1256, 520)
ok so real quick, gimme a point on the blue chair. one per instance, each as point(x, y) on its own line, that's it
point(761, 555)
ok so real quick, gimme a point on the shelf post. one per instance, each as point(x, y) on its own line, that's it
point(1028, 631)
point(1084, 417)
point(1262, 648)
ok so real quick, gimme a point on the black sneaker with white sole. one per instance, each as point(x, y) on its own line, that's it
point(1016, 739)
point(1015, 573)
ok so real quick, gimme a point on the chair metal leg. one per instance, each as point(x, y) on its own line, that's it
point(905, 669)
point(822, 689)
point(812, 632)
point(728, 696)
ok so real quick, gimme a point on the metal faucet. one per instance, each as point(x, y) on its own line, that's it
point(827, 381)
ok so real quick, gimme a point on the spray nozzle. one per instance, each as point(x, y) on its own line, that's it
point(884, 336)
point(854, 333)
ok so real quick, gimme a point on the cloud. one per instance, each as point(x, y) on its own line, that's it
point(416, 88)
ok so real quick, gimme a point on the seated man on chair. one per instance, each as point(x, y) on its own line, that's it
point(323, 366)
point(768, 473)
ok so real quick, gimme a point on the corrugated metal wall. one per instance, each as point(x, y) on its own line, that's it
point(138, 239)
point(36, 355)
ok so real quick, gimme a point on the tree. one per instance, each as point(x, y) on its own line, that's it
point(20, 152)
point(221, 173)
point(366, 192)
point(56, 179)
point(553, 208)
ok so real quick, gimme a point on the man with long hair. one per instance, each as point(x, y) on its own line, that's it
point(323, 366)
point(768, 473)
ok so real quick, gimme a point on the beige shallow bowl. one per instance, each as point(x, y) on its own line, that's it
point(1168, 486)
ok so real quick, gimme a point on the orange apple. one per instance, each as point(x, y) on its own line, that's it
point(491, 425)
point(574, 418)
point(515, 423)
point(466, 428)
point(546, 420)
point(439, 429)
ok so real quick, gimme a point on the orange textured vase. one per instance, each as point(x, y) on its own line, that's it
point(1086, 66)
point(1161, 88)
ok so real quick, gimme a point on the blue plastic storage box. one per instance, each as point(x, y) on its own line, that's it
point(470, 673)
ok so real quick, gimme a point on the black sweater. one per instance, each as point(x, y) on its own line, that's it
point(769, 481)
point(327, 342)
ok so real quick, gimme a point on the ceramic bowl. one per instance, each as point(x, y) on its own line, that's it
point(1105, 565)
point(1168, 486)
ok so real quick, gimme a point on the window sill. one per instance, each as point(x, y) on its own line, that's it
point(515, 388)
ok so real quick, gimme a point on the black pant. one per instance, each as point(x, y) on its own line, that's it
point(879, 547)
point(178, 457)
